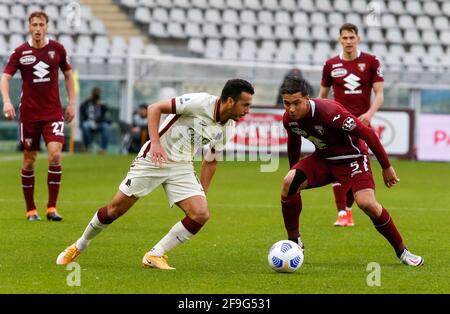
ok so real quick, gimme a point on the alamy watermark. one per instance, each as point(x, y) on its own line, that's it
point(73, 14)
point(373, 279)
point(373, 17)
point(73, 279)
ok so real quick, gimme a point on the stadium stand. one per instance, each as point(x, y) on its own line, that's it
point(241, 29)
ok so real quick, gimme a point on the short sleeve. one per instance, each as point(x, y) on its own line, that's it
point(326, 76)
point(377, 71)
point(64, 63)
point(13, 64)
point(189, 104)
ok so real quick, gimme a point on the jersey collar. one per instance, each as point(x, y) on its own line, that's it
point(358, 54)
point(30, 42)
point(313, 107)
point(217, 110)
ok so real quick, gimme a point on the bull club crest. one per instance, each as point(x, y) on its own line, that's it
point(51, 54)
point(28, 141)
point(319, 129)
point(362, 66)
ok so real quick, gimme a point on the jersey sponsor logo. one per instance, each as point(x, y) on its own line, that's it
point(339, 72)
point(362, 66)
point(41, 72)
point(51, 54)
point(349, 124)
point(352, 83)
point(293, 123)
point(26, 60)
point(337, 65)
point(26, 52)
point(184, 100)
point(299, 132)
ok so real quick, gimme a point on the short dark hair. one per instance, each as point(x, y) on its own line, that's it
point(143, 106)
point(294, 84)
point(233, 88)
point(38, 14)
point(348, 27)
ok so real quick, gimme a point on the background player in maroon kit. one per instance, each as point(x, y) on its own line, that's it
point(335, 133)
point(39, 61)
point(352, 74)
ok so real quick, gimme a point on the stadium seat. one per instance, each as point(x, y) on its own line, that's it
point(300, 18)
point(247, 31)
point(229, 31)
point(318, 18)
point(441, 23)
point(432, 8)
point(431, 62)
point(306, 6)
point(52, 12)
point(142, 15)
point(396, 7)
point(217, 4)
point(15, 40)
point(414, 7)
point(248, 17)
point(354, 18)
point(98, 27)
point(335, 19)
point(160, 15)
point(424, 22)
point(342, 6)
point(359, 6)
point(302, 58)
point(177, 15)
point(324, 6)
point(196, 45)
point(184, 4)
point(265, 17)
point(412, 36)
point(67, 42)
point(164, 3)
point(319, 33)
point(195, 15)
point(157, 29)
point(147, 3)
point(193, 30)
point(210, 30)
point(301, 32)
point(445, 37)
point(283, 32)
point(305, 47)
point(247, 55)
point(252, 4)
point(17, 26)
point(175, 30)
point(133, 4)
point(394, 35)
point(201, 4)
point(283, 56)
point(283, 17)
point(212, 16)
point(396, 50)
point(234, 4)
point(406, 22)
point(429, 37)
point(18, 11)
point(288, 5)
point(4, 11)
point(264, 31)
point(264, 55)
point(435, 50)
point(230, 16)
point(388, 20)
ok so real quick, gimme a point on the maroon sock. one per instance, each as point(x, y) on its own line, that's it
point(53, 183)
point(102, 215)
point(191, 225)
point(28, 188)
point(291, 207)
point(385, 225)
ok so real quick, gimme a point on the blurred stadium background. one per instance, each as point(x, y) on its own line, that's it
point(144, 50)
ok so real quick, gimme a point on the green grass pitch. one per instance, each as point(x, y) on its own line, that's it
point(229, 255)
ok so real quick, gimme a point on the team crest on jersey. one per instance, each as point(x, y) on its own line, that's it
point(28, 141)
point(26, 60)
point(319, 129)
point(362, 66)
point(340, 72)
point(51, 54)
point(349, 124)
point(299, 132)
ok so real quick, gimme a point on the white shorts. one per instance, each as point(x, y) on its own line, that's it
point(179, 181)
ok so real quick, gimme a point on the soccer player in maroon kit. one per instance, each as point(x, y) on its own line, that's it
point(352, 74)
point(339, 157)
point(39, 61)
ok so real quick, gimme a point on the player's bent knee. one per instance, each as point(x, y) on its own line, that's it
point(293, 182)
point(200, 216)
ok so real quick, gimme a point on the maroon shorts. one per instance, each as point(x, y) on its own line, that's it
point(30, 133)
point(354, 175)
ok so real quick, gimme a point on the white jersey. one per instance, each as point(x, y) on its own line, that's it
point(192, 124)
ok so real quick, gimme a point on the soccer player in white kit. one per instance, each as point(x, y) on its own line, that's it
point(194, 120)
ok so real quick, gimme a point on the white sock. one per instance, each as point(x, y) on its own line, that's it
point(92, 230)
point(177, 235)
point(349, 209)
point(342, 212)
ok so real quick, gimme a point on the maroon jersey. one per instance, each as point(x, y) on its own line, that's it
point(39, 70)
point(335, 133)
point(352, 81)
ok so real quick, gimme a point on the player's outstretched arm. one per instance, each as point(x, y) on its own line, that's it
point(70, 88)
point(8, 109)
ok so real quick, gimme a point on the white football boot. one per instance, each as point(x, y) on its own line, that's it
point(411, 259)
